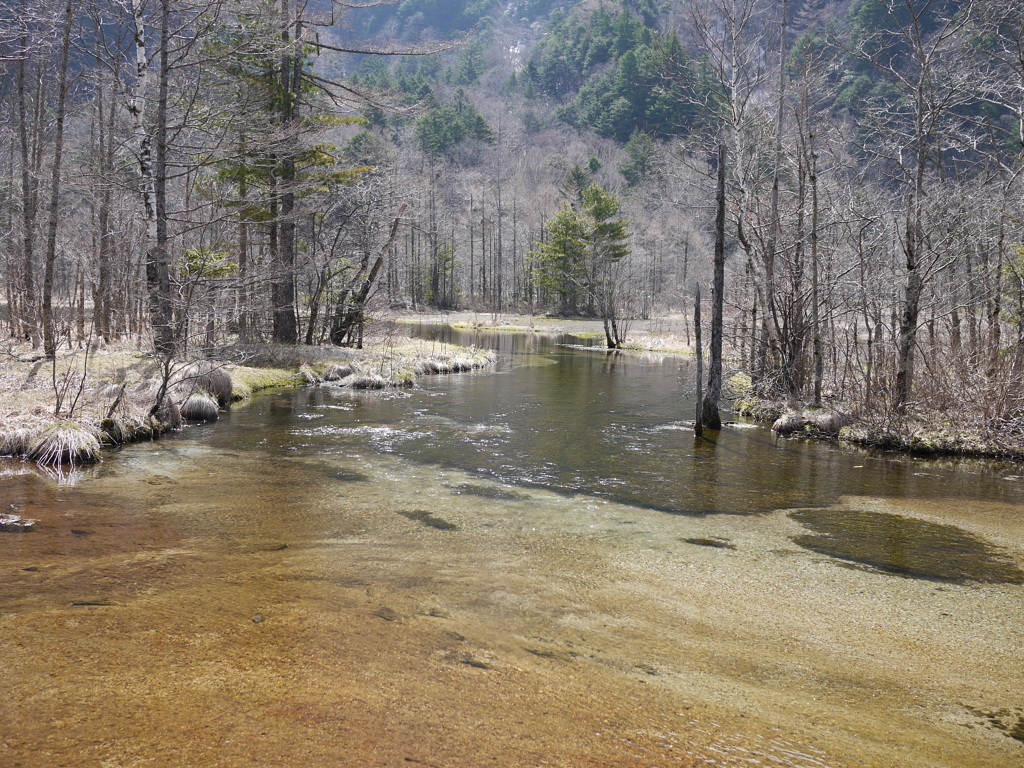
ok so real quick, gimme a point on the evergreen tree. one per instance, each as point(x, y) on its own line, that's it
point(643, 160)
point(443, 128)
point(587, 239)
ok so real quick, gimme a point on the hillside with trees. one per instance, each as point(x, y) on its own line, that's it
point(281, 170)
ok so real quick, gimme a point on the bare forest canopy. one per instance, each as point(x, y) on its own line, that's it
point(197, 173)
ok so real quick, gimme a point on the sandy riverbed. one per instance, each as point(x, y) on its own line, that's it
point(202, 622)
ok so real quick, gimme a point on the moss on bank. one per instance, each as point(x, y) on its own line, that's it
point(931, 435)
point(919, 434)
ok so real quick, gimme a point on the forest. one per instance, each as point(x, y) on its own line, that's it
point(202, 173)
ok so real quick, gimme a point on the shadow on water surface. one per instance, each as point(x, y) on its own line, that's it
point(904, 546)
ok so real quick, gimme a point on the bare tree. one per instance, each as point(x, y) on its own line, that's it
point(911, 136)
point(49, 334)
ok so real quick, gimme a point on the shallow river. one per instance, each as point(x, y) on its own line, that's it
point(535, 564)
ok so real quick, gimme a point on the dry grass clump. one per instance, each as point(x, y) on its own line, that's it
point(366, 381)
point(15, 441)
point(211, 378)
point(430, 366)
point(827, 422)
point(388, 374)
point(337, 372)
point(65, 442)
point(167, 416)
point(126, 413)
point(788, 423)
point(811, 422)
point(199, 407)
point(452, 362)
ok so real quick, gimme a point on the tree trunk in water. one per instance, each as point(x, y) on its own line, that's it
point(711, 417)
point(611, 332)
point(698, 420)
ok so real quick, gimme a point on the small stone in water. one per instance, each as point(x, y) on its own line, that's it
point(15, 524)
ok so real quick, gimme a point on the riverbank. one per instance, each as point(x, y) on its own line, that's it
point(65, 411)
point(669, 335)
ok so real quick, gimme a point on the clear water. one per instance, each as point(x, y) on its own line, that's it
point(531, 564)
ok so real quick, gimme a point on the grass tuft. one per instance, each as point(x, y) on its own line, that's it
point(65, 442)
point(15, 441)
point(366, 381)
point(205, 376)
point(199, 407)
point(811, 422)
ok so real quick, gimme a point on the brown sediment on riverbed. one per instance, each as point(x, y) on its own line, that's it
point(61, 412)
point(532, 634)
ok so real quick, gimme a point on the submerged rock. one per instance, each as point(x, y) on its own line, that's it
point(422, 516)
point(15, 524)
